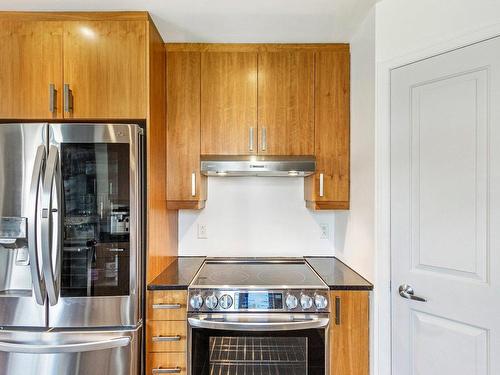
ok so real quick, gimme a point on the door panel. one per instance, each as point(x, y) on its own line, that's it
point(105, 68)
point(19, 215)
point(444, 208)
point(101, 252)
point(30, 60)
point(286, 103)
point(228, 103)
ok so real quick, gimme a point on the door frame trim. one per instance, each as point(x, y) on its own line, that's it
point(381, 360)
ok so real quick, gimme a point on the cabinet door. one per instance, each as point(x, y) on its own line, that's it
point(286, 103)
point(329, 187)
point(30, 61)
point(349, 333)
point(229, 103)
point(105, 68)
point(186, 188)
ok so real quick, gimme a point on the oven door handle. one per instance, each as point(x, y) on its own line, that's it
point(257, 325)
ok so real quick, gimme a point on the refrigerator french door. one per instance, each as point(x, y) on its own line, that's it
point(70, 246)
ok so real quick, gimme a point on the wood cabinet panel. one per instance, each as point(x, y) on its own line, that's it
point(31, 58)
point(105, 68)
point(349, 333)
point(286, 103)
point(167, 305)
point(166, 361)
point(332, 135)
point(228, 103)
point(173, 331)
point(186, 187)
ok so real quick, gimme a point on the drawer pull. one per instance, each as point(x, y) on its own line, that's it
point(166, 338)
point(173, 370)
point(167, 306)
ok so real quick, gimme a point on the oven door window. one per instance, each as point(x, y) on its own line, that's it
point(217, 352)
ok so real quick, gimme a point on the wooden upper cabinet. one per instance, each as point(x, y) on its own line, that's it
point(329, 187)
point(186, 188)
point(105, 68)
point(286, 103)
point(228, 103)
point(30, 61)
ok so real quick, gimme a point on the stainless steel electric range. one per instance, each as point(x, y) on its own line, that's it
point(258, 316)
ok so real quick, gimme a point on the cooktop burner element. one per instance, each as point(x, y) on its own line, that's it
point(257, 285)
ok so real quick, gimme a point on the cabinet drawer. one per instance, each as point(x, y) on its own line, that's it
point(166, 361)
point(167, 336)
point(167, 305)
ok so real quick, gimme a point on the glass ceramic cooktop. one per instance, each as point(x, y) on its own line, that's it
point(257, 274)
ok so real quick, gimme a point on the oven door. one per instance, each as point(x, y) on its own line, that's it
point(276, 343)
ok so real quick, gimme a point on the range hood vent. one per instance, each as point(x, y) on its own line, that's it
point(272, 166)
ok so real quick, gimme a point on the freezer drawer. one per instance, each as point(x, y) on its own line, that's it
point(70, 352)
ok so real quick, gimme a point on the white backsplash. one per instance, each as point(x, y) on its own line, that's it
point(256, 216)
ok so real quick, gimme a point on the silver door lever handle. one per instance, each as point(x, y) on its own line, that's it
point(406, 291)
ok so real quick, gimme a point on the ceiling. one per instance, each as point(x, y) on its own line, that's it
point(231, 21)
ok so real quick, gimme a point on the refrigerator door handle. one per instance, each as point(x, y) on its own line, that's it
point(36, 276)
point(64, 348)
point(50, 233)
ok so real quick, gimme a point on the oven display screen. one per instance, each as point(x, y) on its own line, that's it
point(259, 301)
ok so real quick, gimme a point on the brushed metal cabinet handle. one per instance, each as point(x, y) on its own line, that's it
point(250, 140)
point(193, 184)
point(264, 139)
point(52, 98)
point(337, 310)
point(166, 306)
point(321, 185)
point(166, 338)
point(68, 98)
point(173, 370)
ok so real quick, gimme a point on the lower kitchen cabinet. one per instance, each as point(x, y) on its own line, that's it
point(166, 363)
point(349, 333)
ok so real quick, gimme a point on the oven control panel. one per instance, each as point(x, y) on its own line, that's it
point(207, 300)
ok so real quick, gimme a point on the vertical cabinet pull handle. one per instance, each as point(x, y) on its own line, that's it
point(52, 98)
point(250, 140)
point(193, 184)
point(337, 310)
point(68, 99)
point(264, 139)
point(321, 185)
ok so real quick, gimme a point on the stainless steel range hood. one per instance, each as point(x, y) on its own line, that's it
point(279, 166)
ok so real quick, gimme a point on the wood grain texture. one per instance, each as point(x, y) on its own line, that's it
point(30, 59)
point(255, 47)
point(332, 129)
point(166, 361)
point(349, 341)
point(187, 205)
point(162, 223)
point(183, 128)
point(286, 102)
point(167, 297)
point(76, 16)
point(172, 328)
point(228, 102)
point(105, 67)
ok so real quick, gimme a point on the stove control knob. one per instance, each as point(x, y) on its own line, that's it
point(226, 301)
point(291, 301)
point(196, 301)
point(211, 301)
point(306, 301)
point(320, 301)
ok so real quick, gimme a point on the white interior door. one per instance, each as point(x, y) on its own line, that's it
point(445, 213)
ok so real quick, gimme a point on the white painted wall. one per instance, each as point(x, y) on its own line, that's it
point(255, 216)
point(405, 26)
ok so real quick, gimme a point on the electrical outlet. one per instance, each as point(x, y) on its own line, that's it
point(324, 231)
point(202, 231)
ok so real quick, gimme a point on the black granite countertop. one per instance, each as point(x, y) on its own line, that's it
point(178, 275)
point(337, 275)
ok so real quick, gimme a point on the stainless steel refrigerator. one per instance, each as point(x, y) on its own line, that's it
point(71, 249)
